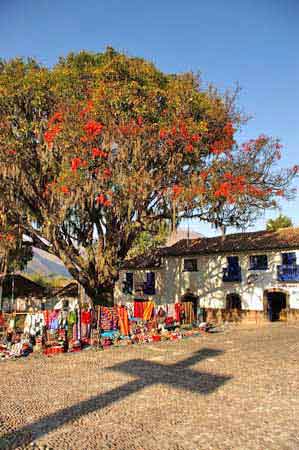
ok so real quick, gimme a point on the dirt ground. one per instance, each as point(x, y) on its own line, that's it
point(233, 390)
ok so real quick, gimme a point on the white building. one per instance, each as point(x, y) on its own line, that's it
point(252, 276)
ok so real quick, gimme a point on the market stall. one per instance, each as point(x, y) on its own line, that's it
point(71, 326)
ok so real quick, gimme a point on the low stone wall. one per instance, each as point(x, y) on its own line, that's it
point(222, 315)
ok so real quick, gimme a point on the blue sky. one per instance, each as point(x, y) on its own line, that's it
point(252, 42)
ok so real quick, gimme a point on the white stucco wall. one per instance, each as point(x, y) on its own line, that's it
point(172, 282)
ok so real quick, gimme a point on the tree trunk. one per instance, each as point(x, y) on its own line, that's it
point(101, 294)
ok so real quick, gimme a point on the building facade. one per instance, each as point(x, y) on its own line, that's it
point(243, 276)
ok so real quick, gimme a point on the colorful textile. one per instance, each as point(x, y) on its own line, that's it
point(130, 309)
point(178, 310)
point(148, 310)
point(123, 320)
point(169, 321)
point(62, 319)
point(189, 312)
point(53, 320)
point(72, 318)
point(108, 318)
point(170, 310)
point(2, 321)
point(139, 309)
point(46, 314)
point(34, 324)
point(86, 317)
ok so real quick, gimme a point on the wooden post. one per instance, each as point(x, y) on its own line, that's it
point(173, 216)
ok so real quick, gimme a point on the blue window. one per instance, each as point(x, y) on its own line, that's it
point(233, 270)
point(128, 283)
point(289, 259)
point(258, 262)
point(150, 284)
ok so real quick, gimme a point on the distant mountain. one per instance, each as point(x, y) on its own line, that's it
point(48, 265)
point(45, 264)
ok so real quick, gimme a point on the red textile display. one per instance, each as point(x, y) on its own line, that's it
point(178, 309)
point(2, 321)
point(109, 318)
point(139, 309)
point(86, 317)
point(47, 317)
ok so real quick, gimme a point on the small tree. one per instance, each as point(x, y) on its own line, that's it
point(280, 222)
point(150, 240)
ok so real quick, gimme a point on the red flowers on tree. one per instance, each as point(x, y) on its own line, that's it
point(92, 130)
point(107, 173)
point(163, 134)
point(54, 128)
point(87, 109)
point(64, 189)
point(229, 129)
point(7, 237)
point(76, 163)
point(195, 138)
point(231, 188)
point(98, 153)
point(177, 190)
point(226, 143)
point(103, 200)
point(189, 148)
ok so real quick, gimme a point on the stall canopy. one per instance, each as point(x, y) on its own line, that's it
point(20, 287)
point(70, 290)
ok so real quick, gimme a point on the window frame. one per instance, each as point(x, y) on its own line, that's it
point(147, 288)
point(288, 253)
point(126, 281)
point(252, 267)
point(233, 270)
point(192, 260)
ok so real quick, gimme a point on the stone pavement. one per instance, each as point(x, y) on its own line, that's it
point(233, 390)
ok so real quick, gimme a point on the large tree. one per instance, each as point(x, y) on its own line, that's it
point(99, 148)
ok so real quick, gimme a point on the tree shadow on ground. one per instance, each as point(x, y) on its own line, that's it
point(146, 373)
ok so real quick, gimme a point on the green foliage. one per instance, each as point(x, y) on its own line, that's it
point(14, 252)
point(280, 222)
point(148, 241)
point(19, 257)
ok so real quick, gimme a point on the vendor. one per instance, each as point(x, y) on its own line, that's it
point(8, 338)
point(17, 346)
point(160, 318)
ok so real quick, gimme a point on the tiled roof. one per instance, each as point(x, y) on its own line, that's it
point(21, 286)
point(142, 262)
point(70, 290)
point(285, 238)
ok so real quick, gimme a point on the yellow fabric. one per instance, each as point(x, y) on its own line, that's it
point(148, 311)
point(188, 307)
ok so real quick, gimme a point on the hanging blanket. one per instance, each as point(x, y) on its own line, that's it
point(108, 318)
point(139, 307)
point(148, 310)
point(189, 313)
point(123, 320)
